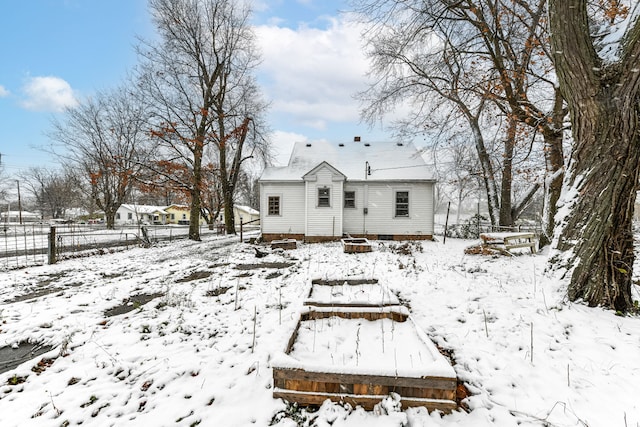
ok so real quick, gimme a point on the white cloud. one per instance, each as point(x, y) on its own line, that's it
point(48, 94)
point(282, 144)
point(312, 74)
point(3, 92)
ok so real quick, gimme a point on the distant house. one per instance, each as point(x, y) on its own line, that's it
point(178, 214)
point(244, 214)
point(379, 191)
point(131, 214)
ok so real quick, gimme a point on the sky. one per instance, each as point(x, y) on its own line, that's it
point(55, 53)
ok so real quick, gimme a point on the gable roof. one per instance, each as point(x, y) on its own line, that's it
point(387, 160)
point(323, 164)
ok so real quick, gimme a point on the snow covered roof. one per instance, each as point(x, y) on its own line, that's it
point(387, 161)
point(144, 209)
point(247, 209)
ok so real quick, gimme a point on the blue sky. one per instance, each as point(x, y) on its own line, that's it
point(56, 52)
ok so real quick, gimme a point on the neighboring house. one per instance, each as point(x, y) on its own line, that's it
point(178, 214)
point(244, 214)
point(128, 214)
point(379, 191)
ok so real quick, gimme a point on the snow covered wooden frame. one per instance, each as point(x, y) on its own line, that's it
point(350, 293)
point(359, 357)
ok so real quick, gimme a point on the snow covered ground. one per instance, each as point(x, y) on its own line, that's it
point(187, 357)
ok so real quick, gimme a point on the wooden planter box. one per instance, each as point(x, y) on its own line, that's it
point(284, 244)
point(349, 293)
point(360, 357)
point(356, 245)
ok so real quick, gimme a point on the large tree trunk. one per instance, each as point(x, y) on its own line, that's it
point(603, 172)
point(194, 211)
point(506, 218)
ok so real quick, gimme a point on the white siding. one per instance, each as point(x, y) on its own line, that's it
point(324, 221)
point(354, 220)
point(381, 217)
point(291, 218)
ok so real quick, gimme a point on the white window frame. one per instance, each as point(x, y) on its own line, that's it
point(327, 197)
point(396, 204)
point(351, 199)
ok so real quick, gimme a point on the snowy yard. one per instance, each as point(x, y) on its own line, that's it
point(187, 356)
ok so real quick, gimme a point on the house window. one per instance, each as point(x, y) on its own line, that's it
point(117, 215)
point(323, 197)
point(349, 199)
point(402, 203)
point(130, 215)
point(173, 217)
point(274, 205)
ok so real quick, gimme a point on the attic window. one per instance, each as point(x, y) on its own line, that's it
point(341, 145)
point(308, 145)
point(366, 144)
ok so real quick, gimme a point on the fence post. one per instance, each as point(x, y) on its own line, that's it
point(446, 224)
point(51, 250)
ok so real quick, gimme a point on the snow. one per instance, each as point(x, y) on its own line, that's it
point(387, 161)
point(610, 45)
point(362, 294)
point(363, 347)
point(527, 356)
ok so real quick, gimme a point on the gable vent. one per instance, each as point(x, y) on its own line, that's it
point(341, 145)
point(308, 145)
point(366, 144)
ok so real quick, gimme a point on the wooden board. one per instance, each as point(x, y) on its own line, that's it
point(356, 245)
point(284, 244)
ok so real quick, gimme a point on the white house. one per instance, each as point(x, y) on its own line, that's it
point(129, 214)
point(376, 190)
point(244, 214)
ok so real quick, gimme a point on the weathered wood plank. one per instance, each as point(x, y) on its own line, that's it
point(341, 282)
point(367, 402)
point(369, 315)
point(439, 383)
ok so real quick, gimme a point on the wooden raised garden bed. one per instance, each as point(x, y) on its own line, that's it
point(284, 244)
point(359, 357)
point(350, 293)
point(356, 245)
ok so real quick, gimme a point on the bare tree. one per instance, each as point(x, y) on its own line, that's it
point(484, 59)
point(601, 84)
point(53, 191)
point(201, 92)
point(105, 138)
